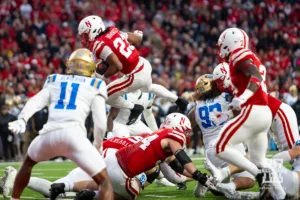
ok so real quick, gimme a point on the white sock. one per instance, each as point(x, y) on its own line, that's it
point(13, 199)
point(234, 157)
point(40, 185)
point(120, 102)
point(231, 185)
point(284, 156)
point(69, 186)
point(163, 92)
point(97, 194)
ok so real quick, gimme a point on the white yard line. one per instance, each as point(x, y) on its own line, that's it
point(159, 196)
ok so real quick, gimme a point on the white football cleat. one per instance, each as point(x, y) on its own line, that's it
point(164, 182)
point(227, 191)
point(215, 172)
point(8, 179)
point(200, 190)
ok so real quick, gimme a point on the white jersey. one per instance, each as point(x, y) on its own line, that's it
point(66, 93)
point(209, 130)
point(137, 97)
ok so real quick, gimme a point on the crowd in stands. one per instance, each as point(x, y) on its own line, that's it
point(37, 36)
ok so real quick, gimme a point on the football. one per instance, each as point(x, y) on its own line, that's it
point(102, 67)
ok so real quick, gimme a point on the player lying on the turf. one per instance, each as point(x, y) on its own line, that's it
point(156, 148)
point(119, 54)
point(164, 135)
point(117, 117)
point(209, 100)
point(70, 98)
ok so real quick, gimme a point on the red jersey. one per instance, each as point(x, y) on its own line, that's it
point(147, 153)
point(240, 81)
point(274, 105)
point(112, 41)
point(119, 142)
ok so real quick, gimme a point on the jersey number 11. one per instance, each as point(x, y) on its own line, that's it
point(71, 105)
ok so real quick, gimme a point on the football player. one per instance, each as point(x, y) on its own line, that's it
point(117, 117)
point(119, 54)
point(284, 128)
point(208, 100)
point(254, 121)
point(77, 179)
point(70, 98)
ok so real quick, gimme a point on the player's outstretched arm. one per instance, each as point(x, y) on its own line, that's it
point(100, 121)
point(113, 113)
point(192, 118)
point(150, 119)
point(251, 71)
point(135, 38)
point(36, 103)
point(185, 160)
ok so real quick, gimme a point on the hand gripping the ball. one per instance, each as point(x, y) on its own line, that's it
point(102, 67)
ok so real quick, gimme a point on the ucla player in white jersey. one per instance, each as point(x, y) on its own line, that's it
point(70, 98)
point(208, 101)
point(117, 118)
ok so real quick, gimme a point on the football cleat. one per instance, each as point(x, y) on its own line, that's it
point(181, 186)
point(85, 195)
point(182, 104)
point(215, 172)
point(263, 184)
point(7, 182)
point(200, 190)
point(164, 182)
point(135, 113)
point(227, 191)
point(57, 189)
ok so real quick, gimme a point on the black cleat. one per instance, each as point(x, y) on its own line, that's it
point(56, 189)
point(181, 186)
point(135, 113)
point(182, 104)
point(85, 195)
point(263, 179)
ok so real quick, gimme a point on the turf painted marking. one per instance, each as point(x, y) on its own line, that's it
point(160, 196)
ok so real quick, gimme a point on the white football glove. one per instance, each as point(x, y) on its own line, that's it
point(138, 33)
point(237, 102)
point(99, 76)
point(218, 117)
point(18, 126)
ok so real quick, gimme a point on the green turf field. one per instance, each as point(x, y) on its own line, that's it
point(54, 170)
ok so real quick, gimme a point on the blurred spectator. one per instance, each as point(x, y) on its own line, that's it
point(155, 111)
point(7, 137)
point(291, 97)
point(296, 107)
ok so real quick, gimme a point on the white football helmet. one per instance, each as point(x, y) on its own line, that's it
point(89, 28)
point(231, 39)
point(177, 121)
point(221, 77)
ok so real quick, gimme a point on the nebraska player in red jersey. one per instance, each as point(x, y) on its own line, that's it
point(254, 121)
point(284, 128)
point(116, 48)
point(152, 150)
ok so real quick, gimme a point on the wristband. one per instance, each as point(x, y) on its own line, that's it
point(246, 95)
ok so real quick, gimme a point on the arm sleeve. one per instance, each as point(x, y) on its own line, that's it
point(36, 103)
point(150, 119)
point(100, 50)
point(100, 121)
point(171, 175)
